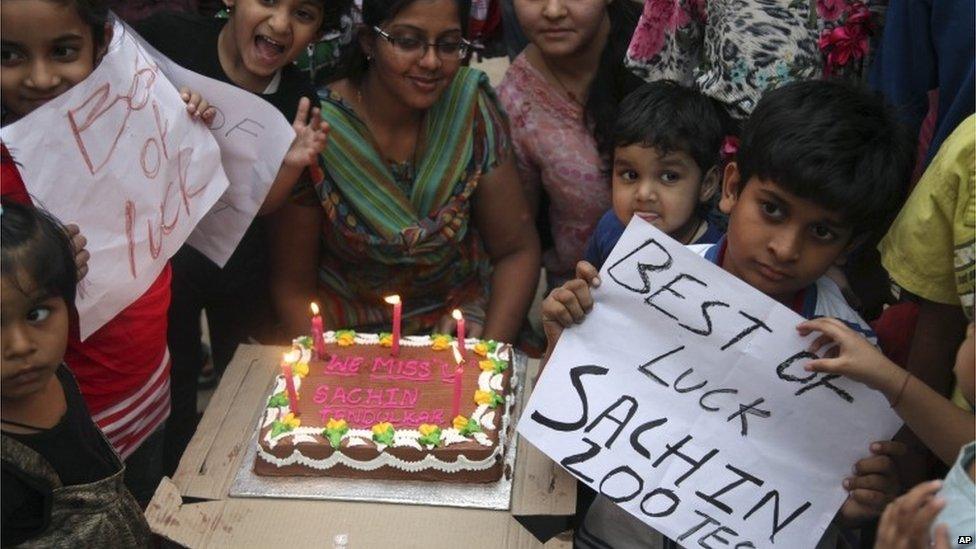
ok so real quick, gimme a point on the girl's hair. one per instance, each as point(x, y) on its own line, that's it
point(35, 245)
point(670, 117)
point(95, 14)
point(353, 64)
point(612, 80)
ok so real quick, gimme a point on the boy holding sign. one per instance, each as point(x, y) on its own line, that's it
point(820, 167)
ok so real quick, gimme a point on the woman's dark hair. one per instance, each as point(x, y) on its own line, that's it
point(35, 244)
point(670, 117)
point(353, 64)
point(612, 80)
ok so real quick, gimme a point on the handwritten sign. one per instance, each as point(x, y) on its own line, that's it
point(118, 155)
point(253, 136)
point(682, 398)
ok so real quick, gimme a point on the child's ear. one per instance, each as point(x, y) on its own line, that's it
point(710, 184)
point(730, 188)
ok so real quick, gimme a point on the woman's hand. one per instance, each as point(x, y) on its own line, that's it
point(447, 325)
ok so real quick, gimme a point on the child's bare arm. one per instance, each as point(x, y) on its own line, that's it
point(310, 136)
point(941, 425)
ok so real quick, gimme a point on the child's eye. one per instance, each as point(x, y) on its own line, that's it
point(820, 232)
point(771, 209)
point(38, 315)
point(305, 16)
point(670, 177)
point(629, 175)
point(10, 57)
point(65, 53)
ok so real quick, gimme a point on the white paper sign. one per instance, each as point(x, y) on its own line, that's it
point(682, 397)
point(253, 136)
point(119, 155)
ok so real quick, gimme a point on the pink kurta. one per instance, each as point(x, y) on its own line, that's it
point(556, 153)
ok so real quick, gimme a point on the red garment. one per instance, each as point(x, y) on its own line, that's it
point(123, 368)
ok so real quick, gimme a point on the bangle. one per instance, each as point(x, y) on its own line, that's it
point(901, 391)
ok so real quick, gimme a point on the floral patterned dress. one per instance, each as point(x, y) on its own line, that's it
point(734, 50)
point(555, 154)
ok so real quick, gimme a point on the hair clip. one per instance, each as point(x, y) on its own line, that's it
point(730, 146)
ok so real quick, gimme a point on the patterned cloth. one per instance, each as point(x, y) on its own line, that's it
point(389, 233)
point(930, 249)
point(556, 154)
point(734, 50)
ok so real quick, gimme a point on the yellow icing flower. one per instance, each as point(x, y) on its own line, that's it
point(460, 422)
point(346, 340)
point(426, 429)
point(440, 342)
point(482, 397)
point(386, 340)
point(300, 369)
point(382, 427)
point(291, 421)
point(481, 349)
point(336, 424)
point(486, 365)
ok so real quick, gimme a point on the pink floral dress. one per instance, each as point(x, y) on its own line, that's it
point(734, 50)
point(556, 154)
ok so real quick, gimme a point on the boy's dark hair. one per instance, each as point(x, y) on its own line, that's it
point(671, 117)
point(35, 244)
point(353, 64)
point(834, 144)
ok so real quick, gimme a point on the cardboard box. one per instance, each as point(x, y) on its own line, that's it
point(193, 508)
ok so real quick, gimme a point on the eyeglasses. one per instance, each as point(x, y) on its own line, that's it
point(414, 47)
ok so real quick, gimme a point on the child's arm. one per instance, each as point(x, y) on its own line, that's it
point(568, 304)
point(941, 425)
point(906, 521)
point(310, 136)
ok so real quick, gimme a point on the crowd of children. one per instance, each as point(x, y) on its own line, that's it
point(782, 182)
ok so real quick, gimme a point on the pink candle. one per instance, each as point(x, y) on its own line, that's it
point(318, 332)
point(286, 363)
point(460, 330)
point(397, 313)
point(458, 374)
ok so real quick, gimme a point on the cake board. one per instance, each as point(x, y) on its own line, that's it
point(492, 495)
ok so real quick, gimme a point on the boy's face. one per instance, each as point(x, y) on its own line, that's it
point(965, 367)
point(33, 337)
point(778, 242)
point(664, 190)
point(265, 36)
point(45, 49)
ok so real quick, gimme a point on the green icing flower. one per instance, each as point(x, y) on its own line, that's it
point(334, 430)
point(278, 400)
point(305, 342)
point(279, 427)
point(500, 365)
point(383, 433)
point(471, 426)
point(430, 435)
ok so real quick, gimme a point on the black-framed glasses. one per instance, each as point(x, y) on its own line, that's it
point(415, 47)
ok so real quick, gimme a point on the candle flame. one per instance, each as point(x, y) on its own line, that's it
point(457, 355)
point(392, 299)
point(315, 308)
point(456, 313)
point(292, 356)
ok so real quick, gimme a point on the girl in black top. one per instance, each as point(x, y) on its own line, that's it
point(61, 480)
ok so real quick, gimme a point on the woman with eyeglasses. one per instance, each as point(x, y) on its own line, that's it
point(420, 196)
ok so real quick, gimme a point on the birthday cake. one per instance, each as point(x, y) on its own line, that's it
point(362, 412)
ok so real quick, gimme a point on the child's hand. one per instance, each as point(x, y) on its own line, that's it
point(197, 106)
point(78, 243)
point(569, 303)
point(310, 136)
point(851, 356)
point(906, 521)
point(874, 484)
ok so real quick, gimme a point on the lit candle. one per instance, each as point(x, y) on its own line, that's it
point(397, 312)
point(287, 361)
point(318, 332)
point(460, 329)
point(458, 374)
